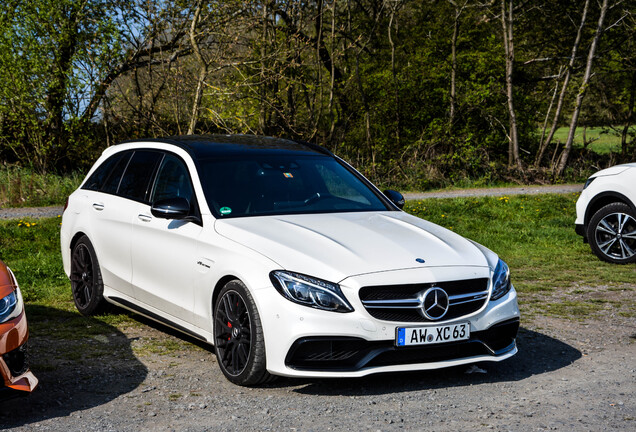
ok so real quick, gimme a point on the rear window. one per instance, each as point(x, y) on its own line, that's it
point(106, 177)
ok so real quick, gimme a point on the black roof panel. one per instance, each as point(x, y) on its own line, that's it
point(204, 146)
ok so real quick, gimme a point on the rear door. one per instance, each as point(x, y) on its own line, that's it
point(113, 200)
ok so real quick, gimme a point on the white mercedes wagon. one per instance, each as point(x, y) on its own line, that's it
point(284, 258)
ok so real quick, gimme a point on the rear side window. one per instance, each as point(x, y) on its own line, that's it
point(136, 180)
point(112, 182)
point(108, 173)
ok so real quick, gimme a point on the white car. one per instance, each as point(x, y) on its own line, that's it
point(284, 258)
point(606, 214)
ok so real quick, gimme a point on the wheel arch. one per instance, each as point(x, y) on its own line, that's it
point(78, 235)
point(603, 199)
point(217, 289)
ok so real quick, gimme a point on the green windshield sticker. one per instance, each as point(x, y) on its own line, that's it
point(225, 210)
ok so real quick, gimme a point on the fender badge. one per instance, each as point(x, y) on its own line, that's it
point(420, 260)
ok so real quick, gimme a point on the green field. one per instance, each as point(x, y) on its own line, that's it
point(604, 140)
point(534, 234)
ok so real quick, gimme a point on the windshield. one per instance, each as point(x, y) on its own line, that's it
point(257, 185)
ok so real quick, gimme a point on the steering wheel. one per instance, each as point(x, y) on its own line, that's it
point(316, 197)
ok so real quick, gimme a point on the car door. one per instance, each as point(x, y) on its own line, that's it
point(111, 222)
point(114, 208)
point(164, 251)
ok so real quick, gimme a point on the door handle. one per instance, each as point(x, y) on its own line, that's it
point(144, 218)
point(98, 206)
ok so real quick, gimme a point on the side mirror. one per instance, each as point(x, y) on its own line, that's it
point(395, 197)
point(171, 208)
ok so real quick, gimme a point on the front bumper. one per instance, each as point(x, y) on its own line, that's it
point(580, 230)
point(17, 380)
point(305, 342)
point(355, 354)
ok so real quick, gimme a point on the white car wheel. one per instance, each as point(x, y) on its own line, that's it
point(612, 234)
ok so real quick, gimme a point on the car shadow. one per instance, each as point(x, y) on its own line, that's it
point(538, 354)
point(80, 363)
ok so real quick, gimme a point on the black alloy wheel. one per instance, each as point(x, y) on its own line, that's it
point(238, 336)
point(612, 234)
point(86, 279)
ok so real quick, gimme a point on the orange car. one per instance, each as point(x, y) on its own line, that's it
point(14, 369)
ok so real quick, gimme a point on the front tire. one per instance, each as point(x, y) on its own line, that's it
point(612, 233)
point(86, 279)
point(238, 336)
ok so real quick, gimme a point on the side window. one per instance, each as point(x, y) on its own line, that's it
point(136, 180)
point(112, 167)
point(173, 180)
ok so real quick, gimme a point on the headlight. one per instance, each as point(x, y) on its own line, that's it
point(587, 183)
point(310, 291)
point(11, 305)
point(500, 281)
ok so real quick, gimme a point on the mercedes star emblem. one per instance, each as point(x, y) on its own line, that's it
point(434, 303)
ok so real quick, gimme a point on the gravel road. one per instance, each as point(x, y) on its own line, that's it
point(504, 191)
point(30, 212)
point(569, 375)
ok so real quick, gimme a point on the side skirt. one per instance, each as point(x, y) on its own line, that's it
point(155, 317)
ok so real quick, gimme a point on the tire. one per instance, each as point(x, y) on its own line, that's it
point(612, 233)
point(238, 336)
point(86, 279)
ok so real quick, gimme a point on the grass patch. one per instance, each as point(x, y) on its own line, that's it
point(572, 309)
point(32, 249)
point(533, 234)
point(22, 187)
point(603, 140)
point(163, 346)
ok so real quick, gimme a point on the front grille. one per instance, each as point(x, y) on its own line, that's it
point(322, 353)
point(402, 303)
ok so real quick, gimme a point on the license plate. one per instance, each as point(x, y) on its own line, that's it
point(407, 336)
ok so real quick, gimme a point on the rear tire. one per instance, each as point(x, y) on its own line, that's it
point(238, 336)
point(612, 233)
point(86, 279)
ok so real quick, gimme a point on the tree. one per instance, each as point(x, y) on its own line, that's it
point(582, 90)
point(417, 105)
point(51, 51)
point(507, 24)
point(544, 143)
point(59, 59)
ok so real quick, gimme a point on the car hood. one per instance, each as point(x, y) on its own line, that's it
point(338, 245)
point(616, 169)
